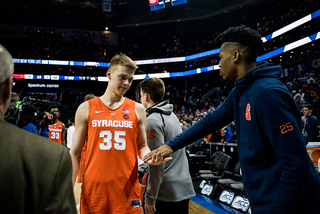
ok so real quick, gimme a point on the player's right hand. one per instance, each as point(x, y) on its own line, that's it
point(159, 155)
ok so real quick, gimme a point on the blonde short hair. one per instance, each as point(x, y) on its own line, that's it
point(122, 59)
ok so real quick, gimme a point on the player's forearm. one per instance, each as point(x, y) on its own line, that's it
point(156, 174)
point(75, 167)
point(143, 151)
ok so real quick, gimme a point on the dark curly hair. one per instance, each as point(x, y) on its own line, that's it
point(52, 106)
point(246, 37)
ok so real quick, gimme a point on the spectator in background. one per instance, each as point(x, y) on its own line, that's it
point(301, 94)
point(233, 129)
point(297, 99)
point(315, 104)
point(33, 126)
point(58, 129)
point(307, 96)
point(28, 120)
point(194, 120)
point(186, 123)
point(70, 132)
point(310, 123)
point(227, 138)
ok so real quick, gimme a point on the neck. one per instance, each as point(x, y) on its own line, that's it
point(245, 68)
point(111, 97)
point(150, 104)
point(111, 100)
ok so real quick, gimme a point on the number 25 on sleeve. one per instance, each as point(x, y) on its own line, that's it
point(286, 128)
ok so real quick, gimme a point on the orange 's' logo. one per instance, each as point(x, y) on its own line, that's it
point(248, 114)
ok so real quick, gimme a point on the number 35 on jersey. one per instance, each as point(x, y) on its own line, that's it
point(117, 136)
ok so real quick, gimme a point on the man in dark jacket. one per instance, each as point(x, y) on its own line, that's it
point(35, 172)
point(310, 122)
point(278, 174)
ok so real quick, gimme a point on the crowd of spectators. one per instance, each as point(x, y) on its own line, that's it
point(188, 101)
point(266, 19)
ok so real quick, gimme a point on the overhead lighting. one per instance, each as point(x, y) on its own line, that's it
point(107, 28)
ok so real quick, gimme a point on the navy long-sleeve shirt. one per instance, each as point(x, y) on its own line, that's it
point(311, 128)
point(278, 174)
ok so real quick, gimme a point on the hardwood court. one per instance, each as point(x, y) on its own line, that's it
point(194, 208)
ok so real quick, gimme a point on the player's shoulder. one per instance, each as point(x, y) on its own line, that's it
point(63, 125)
point(83, 107)
point(268, 83)
point(139, 107)
point(140, 111)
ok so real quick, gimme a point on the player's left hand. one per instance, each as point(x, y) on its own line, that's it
point(150, 208)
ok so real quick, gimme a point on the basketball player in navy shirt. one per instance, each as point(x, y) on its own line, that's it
point(278, 174)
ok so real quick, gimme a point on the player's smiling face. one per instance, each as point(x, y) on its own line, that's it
point(120, 79)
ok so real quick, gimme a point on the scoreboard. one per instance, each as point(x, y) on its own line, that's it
point(161, 4)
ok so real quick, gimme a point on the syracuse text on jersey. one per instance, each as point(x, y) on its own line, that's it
point(55, 130)
point(112, 123)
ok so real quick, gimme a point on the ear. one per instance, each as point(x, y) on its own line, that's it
point(145, 96)
point(108, 74)
point(7, 89)
point(236, 55)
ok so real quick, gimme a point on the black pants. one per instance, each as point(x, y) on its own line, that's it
point(181, 207)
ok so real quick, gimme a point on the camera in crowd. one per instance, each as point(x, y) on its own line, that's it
point(29, 110)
